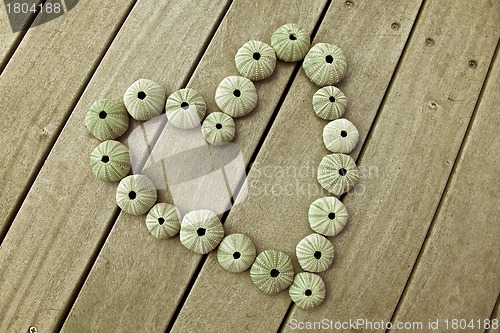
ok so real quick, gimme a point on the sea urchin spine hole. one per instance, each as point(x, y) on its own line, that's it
point(161, 220)
point(274, 272)
point(201, 231)
point(331, 216)
point(342, 172)
point(105, 159)
point(256, 55)
point(332, 99)
point(343, 134)
point(237, 93)
point(185, 105)
point(141, 95)
point(218, 126)
point(329, 59)
point(236, 255)
point(308, 292)
point(102, 114)
point(317, 255)
point(132, 195)
point(292, 37)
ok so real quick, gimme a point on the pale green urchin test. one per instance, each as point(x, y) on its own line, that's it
point(107, 119)
point(236, 253)
point(315, 253)
point(325, 64)
point(110, 161)
point(218, 128)
point(144, 99)
point(272, 271)
point(185, 108)
point(136, 194)
point(329, 103)
point(236, 96)
point(327, 216)
point(163, 220)
point(290, 42)
point(307, 291)
point(337, 173)
point(201, 231)
point(255, 60)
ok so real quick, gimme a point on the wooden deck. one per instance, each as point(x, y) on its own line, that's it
point(422, 242)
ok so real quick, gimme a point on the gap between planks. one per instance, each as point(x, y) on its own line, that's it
point(445, 190)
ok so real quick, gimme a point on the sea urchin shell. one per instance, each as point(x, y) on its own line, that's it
point(236, 96)
point(163, 220)
point(290, 42)
point(325, 64)
point(236, 253)
point(329, 103)
point(337, 173)
point(272, 271)
point(218, 128)
point(136, 194)
point(308, 290)
point(340, 136)
point(201, 231)
point(315, 253)
point(110, 161)
point(185, 108)
point(255, 60)
point(144, 99)
point(327, 216)
point(107, 119)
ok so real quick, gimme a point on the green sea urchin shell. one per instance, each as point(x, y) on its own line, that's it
point(110, 161)
point(337, 173)
point(163, 220)
point(144, 99)
point(218, 128)
point(325, 64)
point(255, 60)
point(107, 119)
point(329, 103)
point(185, 108)
point(307, 290)
point(201, 231)
point(340, 136)
point(327, 216)
point(290, 42)
point(136, 194)
point(236, 96)
point(272, 271)
point(236, 253)
point(315, 253)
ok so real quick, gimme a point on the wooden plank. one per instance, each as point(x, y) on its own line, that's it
point(412, 146)
point(495, 319)
point(282, 180)
point(166, 266)
point(68, 213)
point(39, 85)
point(9, 39)
point(457, 274)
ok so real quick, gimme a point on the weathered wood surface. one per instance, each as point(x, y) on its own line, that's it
point(151, 276)
point(457, 276)
point(67, 213)
point(412, 146)
point(38, 87)
point(282, 180)
point(68, 245)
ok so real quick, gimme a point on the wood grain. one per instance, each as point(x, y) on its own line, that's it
point(9, 39)
point(151, 276)
point(282, 180)
point(457, 275)
point(412, 147)
point(67, 212)
point(38, 87)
